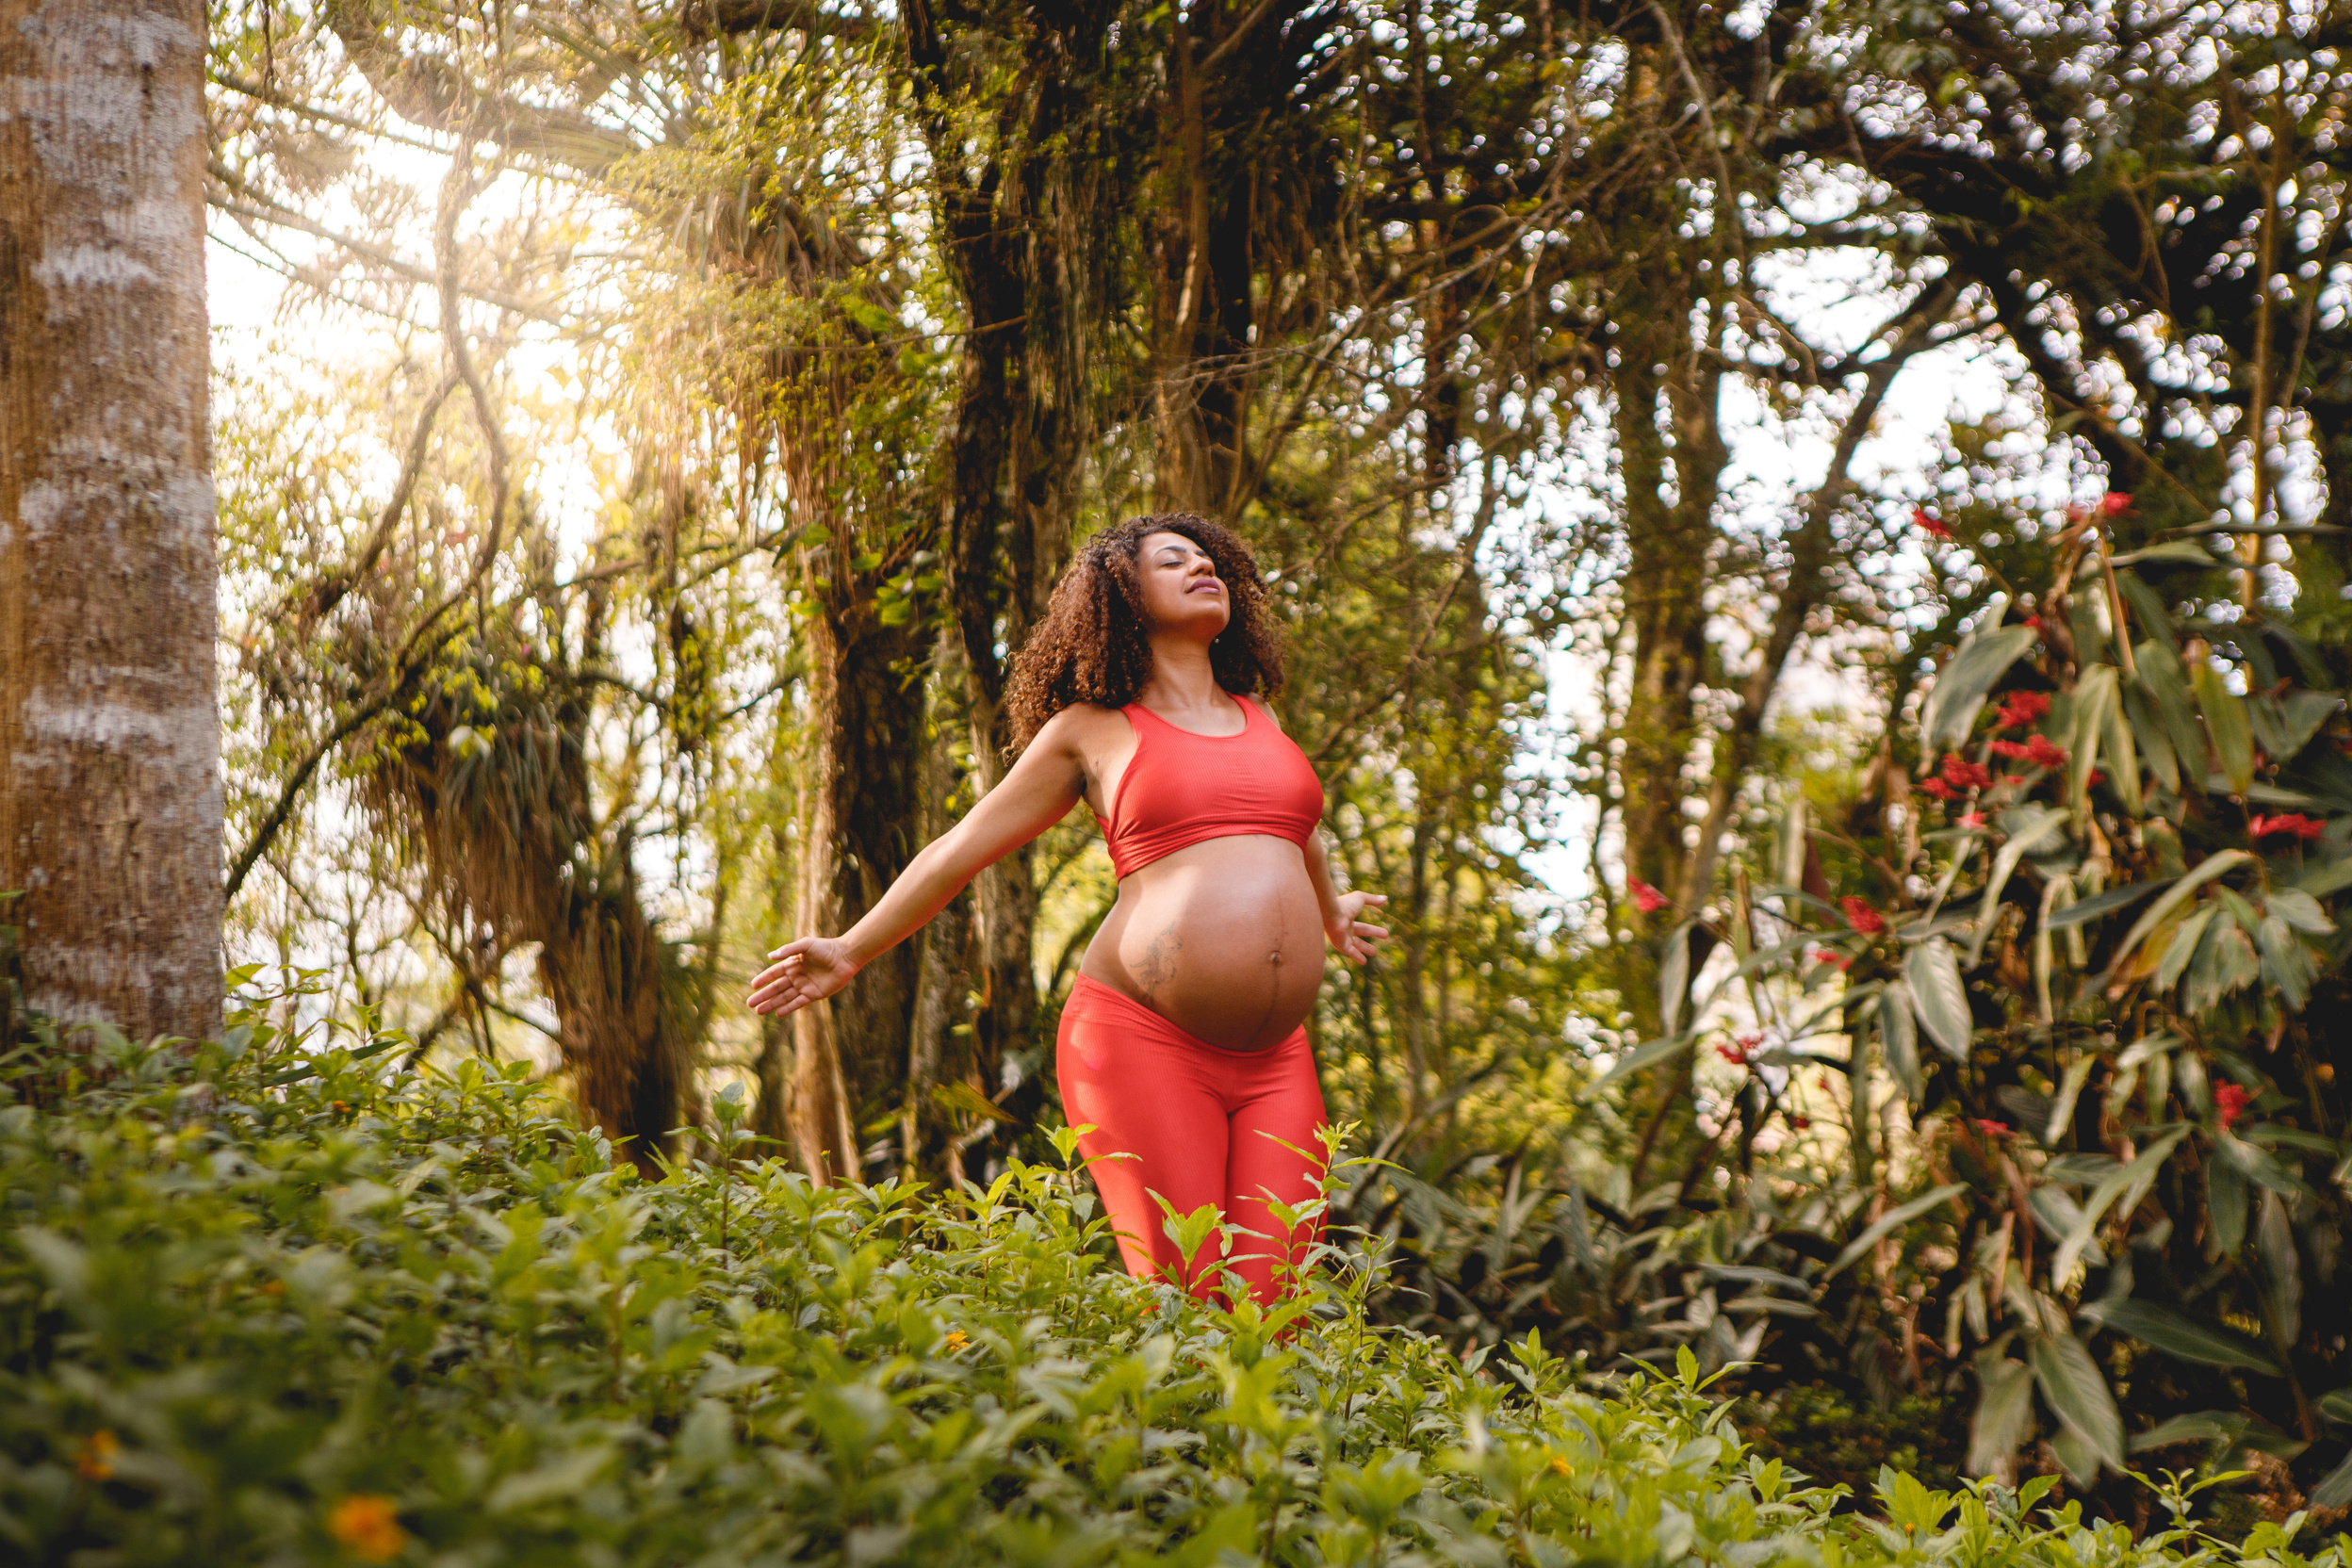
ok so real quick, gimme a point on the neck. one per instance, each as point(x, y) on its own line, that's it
point(1181, 677)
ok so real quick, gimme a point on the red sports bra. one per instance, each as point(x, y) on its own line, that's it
point(1181, 788)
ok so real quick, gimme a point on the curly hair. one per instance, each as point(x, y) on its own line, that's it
point(1091, 646)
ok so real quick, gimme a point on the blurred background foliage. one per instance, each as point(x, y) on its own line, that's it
point(667, 418)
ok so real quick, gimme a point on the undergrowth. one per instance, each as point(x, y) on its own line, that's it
point(263, 1305)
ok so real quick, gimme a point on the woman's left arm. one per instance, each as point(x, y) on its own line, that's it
point(1342, 923)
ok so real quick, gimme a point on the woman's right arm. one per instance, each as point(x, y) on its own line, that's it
point(1039, 791)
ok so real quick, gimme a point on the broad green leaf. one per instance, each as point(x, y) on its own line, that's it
point(2226, 722)
point(2299, 910)
point(2282, 1274)
point(2182, 947)
point(1932, 972)
point(2335, 1488)
point(2285, 726)
point(2257, 1165)
point(2185, 1338)
point(2078, 1456)
point(1951, 708)
point(2210, 867)
point(2115, 744)
point(2225, 963)
point(2336, 1405)
point(1640, 1058)
point(2074, 1388)
point(2287, 966)
point(2148, 610)
point(2167, 682)
point(2204, 1426)
point(2069, 1090)
point(2225, 1209)
point(1673, 977)
point(2321, 880)
point(2030, 828)
point(2148, 730)
point(1898, 1039)
point(1899, 1216)
point(2141, 1171)
point(2093, 714)
point(2099, 905)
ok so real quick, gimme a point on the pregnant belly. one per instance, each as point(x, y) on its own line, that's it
point(1223, 938)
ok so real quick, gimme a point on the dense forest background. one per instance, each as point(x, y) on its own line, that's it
point(1812, 539)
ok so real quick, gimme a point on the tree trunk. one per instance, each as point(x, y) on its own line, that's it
point(110, 733)
point(860, 804)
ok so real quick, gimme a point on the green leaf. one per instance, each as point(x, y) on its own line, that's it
point(2226, 722)
point(2095, 717)
point(1901, 1215)
point(2004, 1415)
point(1898, 1039)
point(2335, 1488)
point(2185, 1338)
point(2285, 726)
point(2336, 1405)
point(2299, 910)
point(2282, 1274)
point(2210, 867)
point(2148, 610)
point(2154, 745)
point(2073, 1387)
point(2141, 1171)
point(2204, 1426)
point(2182, 947)
point(2029, 828)
point(1673, 977)
point(2102, 905)
point(2166, 680)
point(1951, 708)
point(2225, 1208)
point(2287, 966)
point(1646, 1055)
point(1932, 972)
point(2069, 1090)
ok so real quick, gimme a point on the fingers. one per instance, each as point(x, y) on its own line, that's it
point(796, 947)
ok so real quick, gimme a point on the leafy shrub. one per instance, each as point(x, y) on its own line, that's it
point(259, 1305)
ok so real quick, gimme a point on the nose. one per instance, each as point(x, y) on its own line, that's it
point(1201, 566)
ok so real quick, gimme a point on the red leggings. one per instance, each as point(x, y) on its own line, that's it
point(1206, 1125)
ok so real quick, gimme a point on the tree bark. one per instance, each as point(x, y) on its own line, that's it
point(109, 732)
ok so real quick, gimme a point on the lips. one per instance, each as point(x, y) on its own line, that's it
point(1208, 585)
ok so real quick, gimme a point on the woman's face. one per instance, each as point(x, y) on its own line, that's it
point(1180, 590)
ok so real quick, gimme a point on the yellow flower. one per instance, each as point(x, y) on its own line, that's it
point(96, 1460)
point(958, 1339)
point(1561, 1467)
point(368, 1527)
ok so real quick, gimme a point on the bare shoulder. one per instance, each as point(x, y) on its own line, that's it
point(1266, 707)
point(1081, 729)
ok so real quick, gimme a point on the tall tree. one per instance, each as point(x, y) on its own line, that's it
point(109, 734)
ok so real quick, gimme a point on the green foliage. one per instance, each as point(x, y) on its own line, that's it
point(266, 1304)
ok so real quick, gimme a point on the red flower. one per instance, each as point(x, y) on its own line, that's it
point(1992, 1129)
point(1645, 898)
point(2229, 1102)
point(1927, 525)
point(2033, 621)
point(2013, 778)
point(2094, 778)
point(1835, 960)
point(1971, 819)
point(2021, 708)
point(1937, 788)
point(2116, 501)
point(1963, 774)
point(2041, 752)
point(2016, 751)
point(2292, 822)
point(1861, 916)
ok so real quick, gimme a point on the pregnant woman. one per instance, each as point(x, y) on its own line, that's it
point(1184, 1043)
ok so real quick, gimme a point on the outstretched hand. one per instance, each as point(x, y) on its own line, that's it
point(805, 970)
point(1351, 936)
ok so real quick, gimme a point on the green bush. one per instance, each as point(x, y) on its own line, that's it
point(264, 1306)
